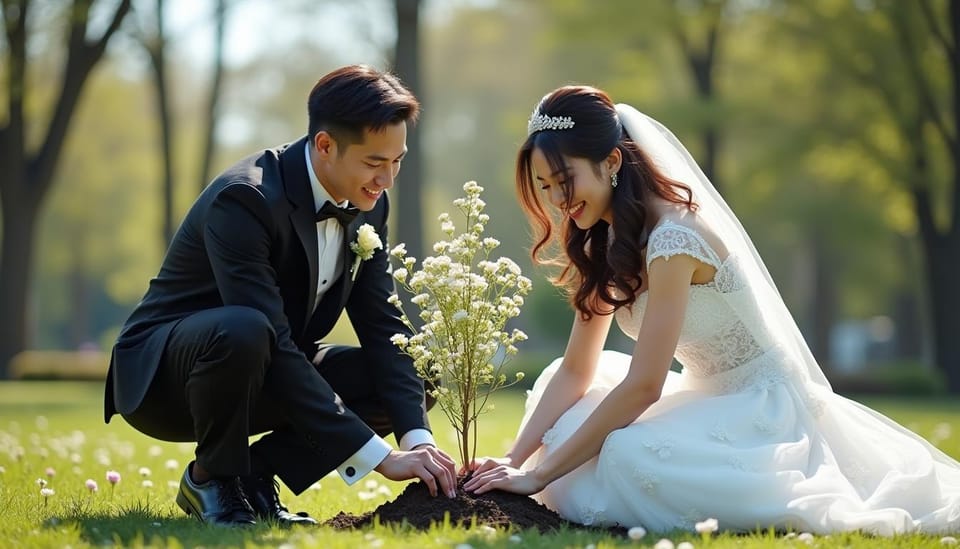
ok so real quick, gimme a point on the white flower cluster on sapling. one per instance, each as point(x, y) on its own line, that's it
point(465, 300)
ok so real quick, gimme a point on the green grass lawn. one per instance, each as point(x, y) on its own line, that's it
point(58, 425)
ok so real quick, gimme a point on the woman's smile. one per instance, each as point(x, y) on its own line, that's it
point(575, 211)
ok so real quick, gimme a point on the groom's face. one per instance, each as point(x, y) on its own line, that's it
point(360, 172)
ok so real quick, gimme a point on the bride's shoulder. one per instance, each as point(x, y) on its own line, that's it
point(677, 217)
point(679, 226)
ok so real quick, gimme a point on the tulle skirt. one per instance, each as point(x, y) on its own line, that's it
point(766, 455)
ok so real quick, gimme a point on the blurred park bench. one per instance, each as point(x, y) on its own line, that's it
point(84, 364)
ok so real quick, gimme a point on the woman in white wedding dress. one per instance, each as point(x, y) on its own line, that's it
point(749, 432)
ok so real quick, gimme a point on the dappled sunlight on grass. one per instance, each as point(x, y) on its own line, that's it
point(52, 436)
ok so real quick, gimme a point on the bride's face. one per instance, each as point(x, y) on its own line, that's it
point(590, 191)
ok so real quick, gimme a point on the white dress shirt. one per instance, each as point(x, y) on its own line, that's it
point(329, 242)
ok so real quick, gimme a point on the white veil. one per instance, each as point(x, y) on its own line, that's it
point(673, 159)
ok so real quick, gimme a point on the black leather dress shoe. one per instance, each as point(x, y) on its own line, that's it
point(264, 496)
point(219, 501)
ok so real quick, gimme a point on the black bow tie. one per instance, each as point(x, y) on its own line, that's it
point(343, 215)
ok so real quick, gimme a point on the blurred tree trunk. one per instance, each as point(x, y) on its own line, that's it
point(28, 174)
point(941, 241)
point(410, 181)
point(701, 61)
point(908, 314)
point(156, 46)
point(899, 62)
point(213, 98)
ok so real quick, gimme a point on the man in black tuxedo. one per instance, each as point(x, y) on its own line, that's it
point(226, 341)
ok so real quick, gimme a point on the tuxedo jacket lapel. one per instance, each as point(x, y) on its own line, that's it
point(304, 215)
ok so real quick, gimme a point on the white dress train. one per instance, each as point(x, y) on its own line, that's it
point(742, 436)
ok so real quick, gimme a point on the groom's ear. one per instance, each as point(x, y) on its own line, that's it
point(325, 144)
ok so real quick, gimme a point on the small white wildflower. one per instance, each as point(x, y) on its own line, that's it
point(805, 537)
point(144, 471)
point(41, 482)
point(47, 492)
point(91, 485)
point(663, 544)
point(515, 538)
point(684, 545)
point(147, 483)
point(948, 540)
point(171, 465)
point(637, 532)
point(155, 451)
point(708, 526)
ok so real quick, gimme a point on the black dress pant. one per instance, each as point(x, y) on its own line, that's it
point(208, 388)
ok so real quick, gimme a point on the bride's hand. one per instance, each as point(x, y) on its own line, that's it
point(506, 478)
point(484, 464)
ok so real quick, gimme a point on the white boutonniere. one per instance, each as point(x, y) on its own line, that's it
point(363, 247)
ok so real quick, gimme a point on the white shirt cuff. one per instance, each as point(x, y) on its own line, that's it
point(364, 460)
point(416, 437)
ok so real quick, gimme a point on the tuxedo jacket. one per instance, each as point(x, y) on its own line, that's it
point(250, 239)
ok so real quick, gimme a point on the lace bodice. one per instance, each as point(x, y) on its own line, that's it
point(723, 329)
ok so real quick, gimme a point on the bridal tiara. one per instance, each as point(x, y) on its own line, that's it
point(540, 122)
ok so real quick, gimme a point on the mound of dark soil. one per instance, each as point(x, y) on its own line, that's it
point(417, 507)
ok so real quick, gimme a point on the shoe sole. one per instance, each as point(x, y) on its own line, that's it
point(184, 504)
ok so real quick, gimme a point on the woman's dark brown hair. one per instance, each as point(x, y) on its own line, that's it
point(593, 268)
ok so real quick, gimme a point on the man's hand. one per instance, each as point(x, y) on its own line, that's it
point(428, 463)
